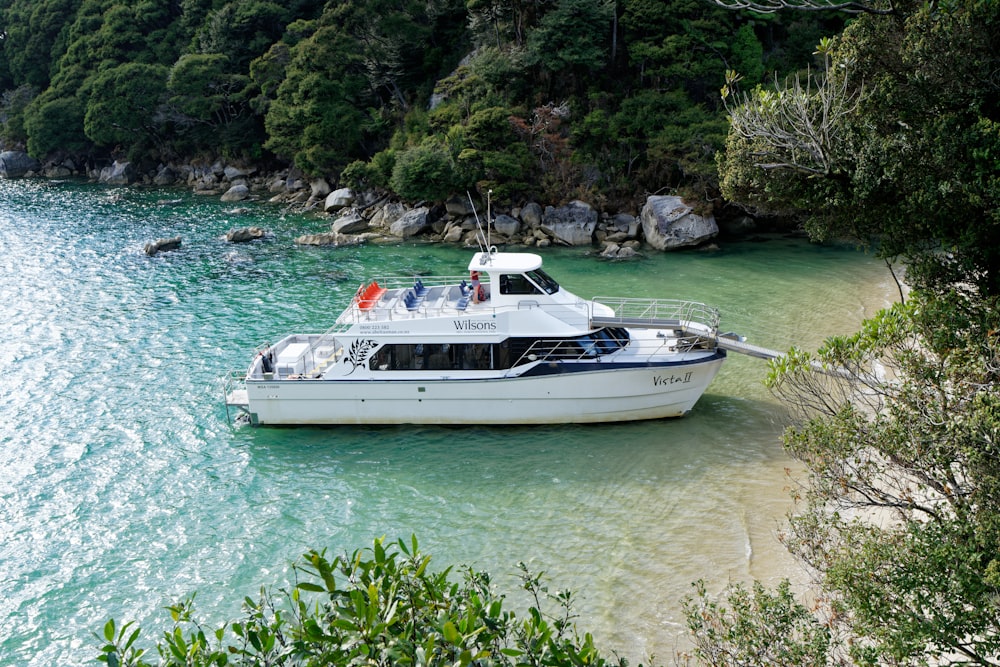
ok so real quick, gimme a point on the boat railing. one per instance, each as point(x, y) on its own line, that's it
point(560, 349)
point(402, 281)
point(234, 391)
point(689, 317)
point(234, 379)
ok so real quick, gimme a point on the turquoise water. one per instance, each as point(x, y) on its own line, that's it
point(123, 487)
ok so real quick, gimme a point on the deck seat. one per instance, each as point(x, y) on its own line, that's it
point(367, 297)
point(411, 301)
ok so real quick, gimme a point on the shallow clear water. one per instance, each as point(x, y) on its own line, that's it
point(124, 488)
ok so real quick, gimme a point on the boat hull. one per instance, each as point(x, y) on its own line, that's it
point(597, 393)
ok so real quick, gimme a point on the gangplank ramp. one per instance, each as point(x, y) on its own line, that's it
point(743, 347)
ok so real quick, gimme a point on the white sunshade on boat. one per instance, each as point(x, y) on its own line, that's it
point(509, 262)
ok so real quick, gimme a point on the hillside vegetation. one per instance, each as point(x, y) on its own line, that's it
point(605, 100)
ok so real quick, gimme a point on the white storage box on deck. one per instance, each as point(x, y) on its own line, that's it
point(292, 361)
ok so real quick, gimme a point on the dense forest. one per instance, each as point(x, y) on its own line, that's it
point(603, 100)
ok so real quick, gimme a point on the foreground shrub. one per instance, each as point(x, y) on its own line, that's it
point(377, 606)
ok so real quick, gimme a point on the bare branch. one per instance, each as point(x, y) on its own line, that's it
point(797, 126)
point(771, 6)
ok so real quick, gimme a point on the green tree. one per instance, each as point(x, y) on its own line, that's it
point(13, 104)
point(425, 172)
point(747, 54)
point(347, 84)
point(572, 41)
point(122, 106)
point(679, 45)
point(55, 123)
point(209, 107)
point(382, 606)
point(901, 516)
point(34, 35)
point(757, 628)
point(907, 161)
point(241, 31)
point(319, 117)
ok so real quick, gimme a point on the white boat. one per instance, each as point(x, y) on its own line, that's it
point(524, 350)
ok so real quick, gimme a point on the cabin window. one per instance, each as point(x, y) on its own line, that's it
point(496, 356)
point(432, 357)
point(516, 283)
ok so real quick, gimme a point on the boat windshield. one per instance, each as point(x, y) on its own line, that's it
point(543, 280)
point(530, 282)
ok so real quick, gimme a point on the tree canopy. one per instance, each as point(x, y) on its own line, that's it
point(894, 142)
point(323, 85)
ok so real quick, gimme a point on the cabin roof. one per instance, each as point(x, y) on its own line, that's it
point(509, 262)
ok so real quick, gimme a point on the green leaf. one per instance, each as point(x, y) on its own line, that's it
point(311, 587)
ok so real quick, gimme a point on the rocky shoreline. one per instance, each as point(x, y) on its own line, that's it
point(664, 223)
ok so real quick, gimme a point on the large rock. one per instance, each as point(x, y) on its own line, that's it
point(319, 188)
point(531, 215)
point(119, 173)
point(669, 223)
point(15, 164)
point(350, 223)
point(57, 171)
point(244, 234)
point(388, 214)
point(338, 199)
point(165, 176)
point(235, 173)
point(572, 224)
point(326, 238)
point(159, 245)
point(453, 233)
point(459, 207)
point(506, 225)
point(238, 192)
point(411, 223)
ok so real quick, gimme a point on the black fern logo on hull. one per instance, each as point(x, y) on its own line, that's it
point(357, 353)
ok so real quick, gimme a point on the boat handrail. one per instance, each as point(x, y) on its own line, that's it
point(575, 349)
point(398, 281)
point(234, 379)
point(689, 316)
point(574, 317)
